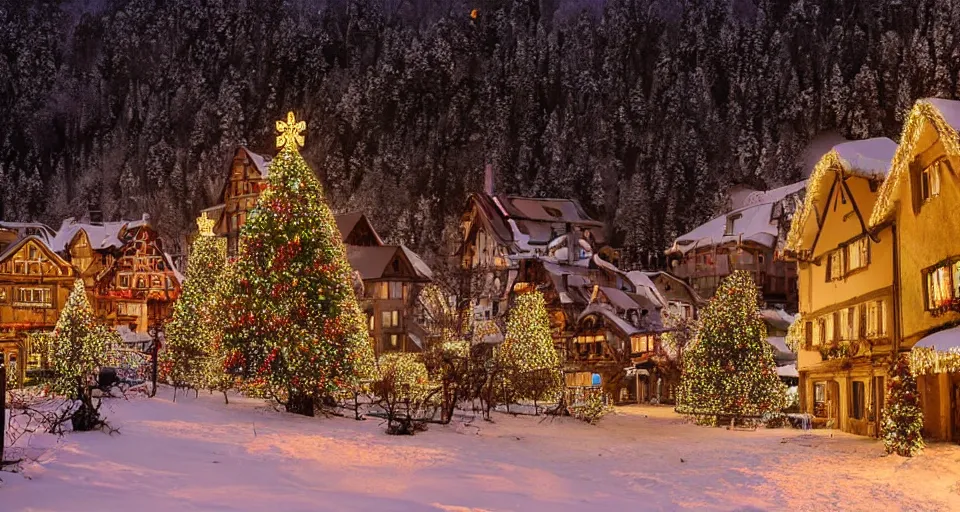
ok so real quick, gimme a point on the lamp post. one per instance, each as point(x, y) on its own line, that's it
point(156, 333)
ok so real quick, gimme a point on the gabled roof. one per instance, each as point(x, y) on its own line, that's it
point(522, 222)
point(752, 223)
point(14, 247)
point(653, 275)
point(870, 159)
point(101, 236)
point(372, 261)
point(260, 162)
point(940, 115)
point(41, 229)
point(347, 222)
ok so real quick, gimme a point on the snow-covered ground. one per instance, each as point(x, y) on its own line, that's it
point(198, 454)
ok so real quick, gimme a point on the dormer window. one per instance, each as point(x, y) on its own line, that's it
point(730, 223)
point(930, 182)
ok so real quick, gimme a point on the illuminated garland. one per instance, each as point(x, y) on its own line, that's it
point(730, 370)
point(902, 417)
point(927, 361)
point(826, 164)
point(795, 336)
point(923, 112)
point(293, 324)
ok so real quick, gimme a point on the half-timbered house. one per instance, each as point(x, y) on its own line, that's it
point(34, 285)
point(131, 281)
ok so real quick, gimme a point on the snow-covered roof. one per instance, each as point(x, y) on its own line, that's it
point(777, 318)
point(643, 281)
point(176, 273)
point(129, 336)
point(529, 224)
point(752, 222)
point(779, 343)
point(940, 115)
point(655, 274)
point(619, 299)
point(771, 196)
point(949, 110)
point(261, 162)
point(943, 341)
point(101, 236)
point(611, 316)
point(788, 370)
point(30, 228)
point(868, 158)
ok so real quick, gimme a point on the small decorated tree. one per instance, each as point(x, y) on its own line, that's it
point(292, 320)
point(729, 372)
point(404, 392)
point(192, 358)
point(902, 430)
point(79, 345)
point(530, 362)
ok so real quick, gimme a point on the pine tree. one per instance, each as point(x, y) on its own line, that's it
point(527, 354)
point(730, 370)
point(79, 345)
point(292, 316)
point(192, 359)
point(902, 430)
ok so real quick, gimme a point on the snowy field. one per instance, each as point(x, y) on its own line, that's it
point(198, 454)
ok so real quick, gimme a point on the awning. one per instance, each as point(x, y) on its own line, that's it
point(633, 372)
point(942, 341)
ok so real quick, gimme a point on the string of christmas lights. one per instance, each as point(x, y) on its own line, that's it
point(730, 370)
point(292, 320)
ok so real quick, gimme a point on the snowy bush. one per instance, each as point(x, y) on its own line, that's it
point(592, 410)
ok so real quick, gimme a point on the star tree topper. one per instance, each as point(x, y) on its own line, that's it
point(205, 224)
point(290, 133)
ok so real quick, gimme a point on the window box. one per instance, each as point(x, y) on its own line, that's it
point(946, 306)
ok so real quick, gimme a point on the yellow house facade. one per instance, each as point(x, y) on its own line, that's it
point(846, 283)
point(919, 200)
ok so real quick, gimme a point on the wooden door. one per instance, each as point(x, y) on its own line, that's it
point(833, 402)
point(955, 412)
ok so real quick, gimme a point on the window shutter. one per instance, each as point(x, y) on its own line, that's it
point(829, 272)
point(915, 187)
point(808, 332)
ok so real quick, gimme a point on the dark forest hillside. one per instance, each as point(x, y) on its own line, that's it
point(645, 110)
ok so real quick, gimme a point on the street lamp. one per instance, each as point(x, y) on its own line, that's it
point(157, 335)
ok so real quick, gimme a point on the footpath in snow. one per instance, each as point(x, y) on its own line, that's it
point(200, 455)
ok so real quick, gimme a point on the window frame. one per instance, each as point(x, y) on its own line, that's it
point(950, 289)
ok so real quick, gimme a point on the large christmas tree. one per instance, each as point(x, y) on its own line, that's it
point(191, 358)
point(79, 346)
point(730, 371)
point(527, 354)
point(902, 430)
point(292, 316)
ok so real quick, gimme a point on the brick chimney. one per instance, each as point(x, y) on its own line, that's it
point(573, 243)
point(488, 179)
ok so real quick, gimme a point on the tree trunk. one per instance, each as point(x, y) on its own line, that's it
point(300, 403)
